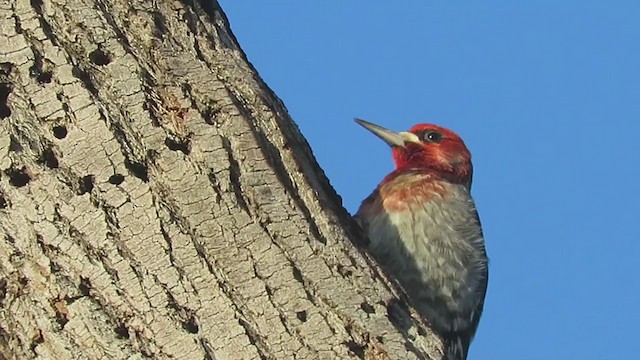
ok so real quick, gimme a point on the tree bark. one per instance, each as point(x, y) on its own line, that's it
point(156, 200)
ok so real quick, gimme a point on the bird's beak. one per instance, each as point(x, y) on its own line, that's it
point(390, 137)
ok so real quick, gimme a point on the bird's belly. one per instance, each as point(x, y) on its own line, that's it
point(439, 264)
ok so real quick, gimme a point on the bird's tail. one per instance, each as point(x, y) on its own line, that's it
point(456, 346)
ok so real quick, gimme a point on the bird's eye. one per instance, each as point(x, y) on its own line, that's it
point(432, 136)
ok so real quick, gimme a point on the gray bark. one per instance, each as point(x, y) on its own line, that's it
point(156, 200)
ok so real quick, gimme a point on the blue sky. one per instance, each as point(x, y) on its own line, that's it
point(546, 94)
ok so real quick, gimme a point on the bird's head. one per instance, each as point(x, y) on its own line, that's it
point(427, 147)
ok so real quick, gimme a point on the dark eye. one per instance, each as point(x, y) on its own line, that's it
point(432, 136)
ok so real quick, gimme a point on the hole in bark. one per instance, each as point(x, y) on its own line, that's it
point(3, 201)
point(191, 325)
point(138, 170)
point(178, 145)
point(86, 184)
point(121, 331)
point(49, 159)
point(59, 131)
point(99, 57)
point(5, 90)
point(355, 348)
point(380, 339)
point(44, 77)
point(367, 308)
point(116, 179)
point(85, 286)
point(302, 315)
point(18, 178)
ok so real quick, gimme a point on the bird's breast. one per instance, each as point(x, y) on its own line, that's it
point(407, 192)
point(429, 238)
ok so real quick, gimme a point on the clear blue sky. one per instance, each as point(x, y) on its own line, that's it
point(546, 95)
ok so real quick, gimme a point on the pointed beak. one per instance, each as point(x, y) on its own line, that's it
point(390, 137)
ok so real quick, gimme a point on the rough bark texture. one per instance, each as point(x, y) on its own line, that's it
point(157, 201)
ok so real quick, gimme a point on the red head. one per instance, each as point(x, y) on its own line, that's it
point(427, 147)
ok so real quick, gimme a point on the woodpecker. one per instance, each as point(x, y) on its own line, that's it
point(424, 230)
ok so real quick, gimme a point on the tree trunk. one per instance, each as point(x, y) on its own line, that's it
point(156, 200)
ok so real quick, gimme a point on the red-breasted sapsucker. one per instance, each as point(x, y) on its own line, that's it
point(424, 230)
